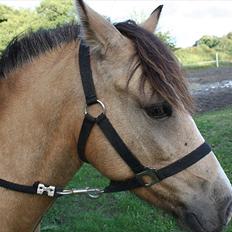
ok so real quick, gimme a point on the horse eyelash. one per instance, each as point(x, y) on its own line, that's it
point(159, 110)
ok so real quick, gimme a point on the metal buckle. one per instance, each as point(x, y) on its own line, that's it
point(99, 103)
point(152, 177)
point(50, 190)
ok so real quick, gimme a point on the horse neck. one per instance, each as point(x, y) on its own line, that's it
point(39, 124)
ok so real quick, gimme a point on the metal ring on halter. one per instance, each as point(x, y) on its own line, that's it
point(99, 103)
point(94, 193)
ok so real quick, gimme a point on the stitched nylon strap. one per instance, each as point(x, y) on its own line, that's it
point(112, 136)
point(19, 188)
point(118, 144)
point(120, 186)
point(29, 189)
point(163, 173)
point(86, 128)
point(110, 133)
point(185, 162)
point(86, 75)
point(102, 121)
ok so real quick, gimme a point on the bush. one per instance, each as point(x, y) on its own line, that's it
point(209, 41)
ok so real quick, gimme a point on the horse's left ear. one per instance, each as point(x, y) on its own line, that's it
point(151, 23)
point(96, 31)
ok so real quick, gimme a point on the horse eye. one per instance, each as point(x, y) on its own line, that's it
point(159, 111)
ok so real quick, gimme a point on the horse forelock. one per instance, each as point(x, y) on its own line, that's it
point(159, 66)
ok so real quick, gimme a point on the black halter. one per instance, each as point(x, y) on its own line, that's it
point(140, 171)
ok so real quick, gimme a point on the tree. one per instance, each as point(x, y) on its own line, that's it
point(54, 13)
point(15, 22)
point(5, 12)
point(167, 39)
point(49, 14)
point(209, 41)
point(229, 35)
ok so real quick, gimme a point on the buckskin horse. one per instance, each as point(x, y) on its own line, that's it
point(112, 95)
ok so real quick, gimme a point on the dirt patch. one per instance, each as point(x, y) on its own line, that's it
point(210, 75)
point(214, 100)
point(211, 88)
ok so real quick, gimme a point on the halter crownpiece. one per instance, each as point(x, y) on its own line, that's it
point(153, 176)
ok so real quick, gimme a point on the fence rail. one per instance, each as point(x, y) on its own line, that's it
point(217, 62)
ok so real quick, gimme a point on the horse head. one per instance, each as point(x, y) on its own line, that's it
point(148, 102)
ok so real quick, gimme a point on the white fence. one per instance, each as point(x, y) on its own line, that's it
point(217, 62)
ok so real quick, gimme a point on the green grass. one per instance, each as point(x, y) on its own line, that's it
point(123, 211)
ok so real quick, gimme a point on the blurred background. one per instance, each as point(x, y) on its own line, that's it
point(200, 35)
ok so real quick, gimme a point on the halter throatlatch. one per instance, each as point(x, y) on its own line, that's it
point(143, 176)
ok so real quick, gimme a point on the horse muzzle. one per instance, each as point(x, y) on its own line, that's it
point(211, 218)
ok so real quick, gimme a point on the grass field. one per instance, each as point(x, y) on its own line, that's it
point(123, 211)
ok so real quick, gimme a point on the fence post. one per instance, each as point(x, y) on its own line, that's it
point(217, 60)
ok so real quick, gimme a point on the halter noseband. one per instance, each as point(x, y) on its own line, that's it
point(140, 171)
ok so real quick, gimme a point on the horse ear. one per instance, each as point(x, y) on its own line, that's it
point(96, 31)
point(151, 23)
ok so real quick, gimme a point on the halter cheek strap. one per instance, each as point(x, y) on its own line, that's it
point(140, 171)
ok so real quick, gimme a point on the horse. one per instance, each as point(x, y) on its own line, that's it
point(146, 98)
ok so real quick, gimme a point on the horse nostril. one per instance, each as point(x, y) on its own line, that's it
point(228, 214)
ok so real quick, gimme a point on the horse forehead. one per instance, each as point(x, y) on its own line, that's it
point(131, 84)
point(122, 54)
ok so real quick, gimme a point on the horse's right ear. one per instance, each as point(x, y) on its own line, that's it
point(151, 23)
point(96, 31)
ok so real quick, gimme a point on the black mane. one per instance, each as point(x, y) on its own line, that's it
point(23, 48)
